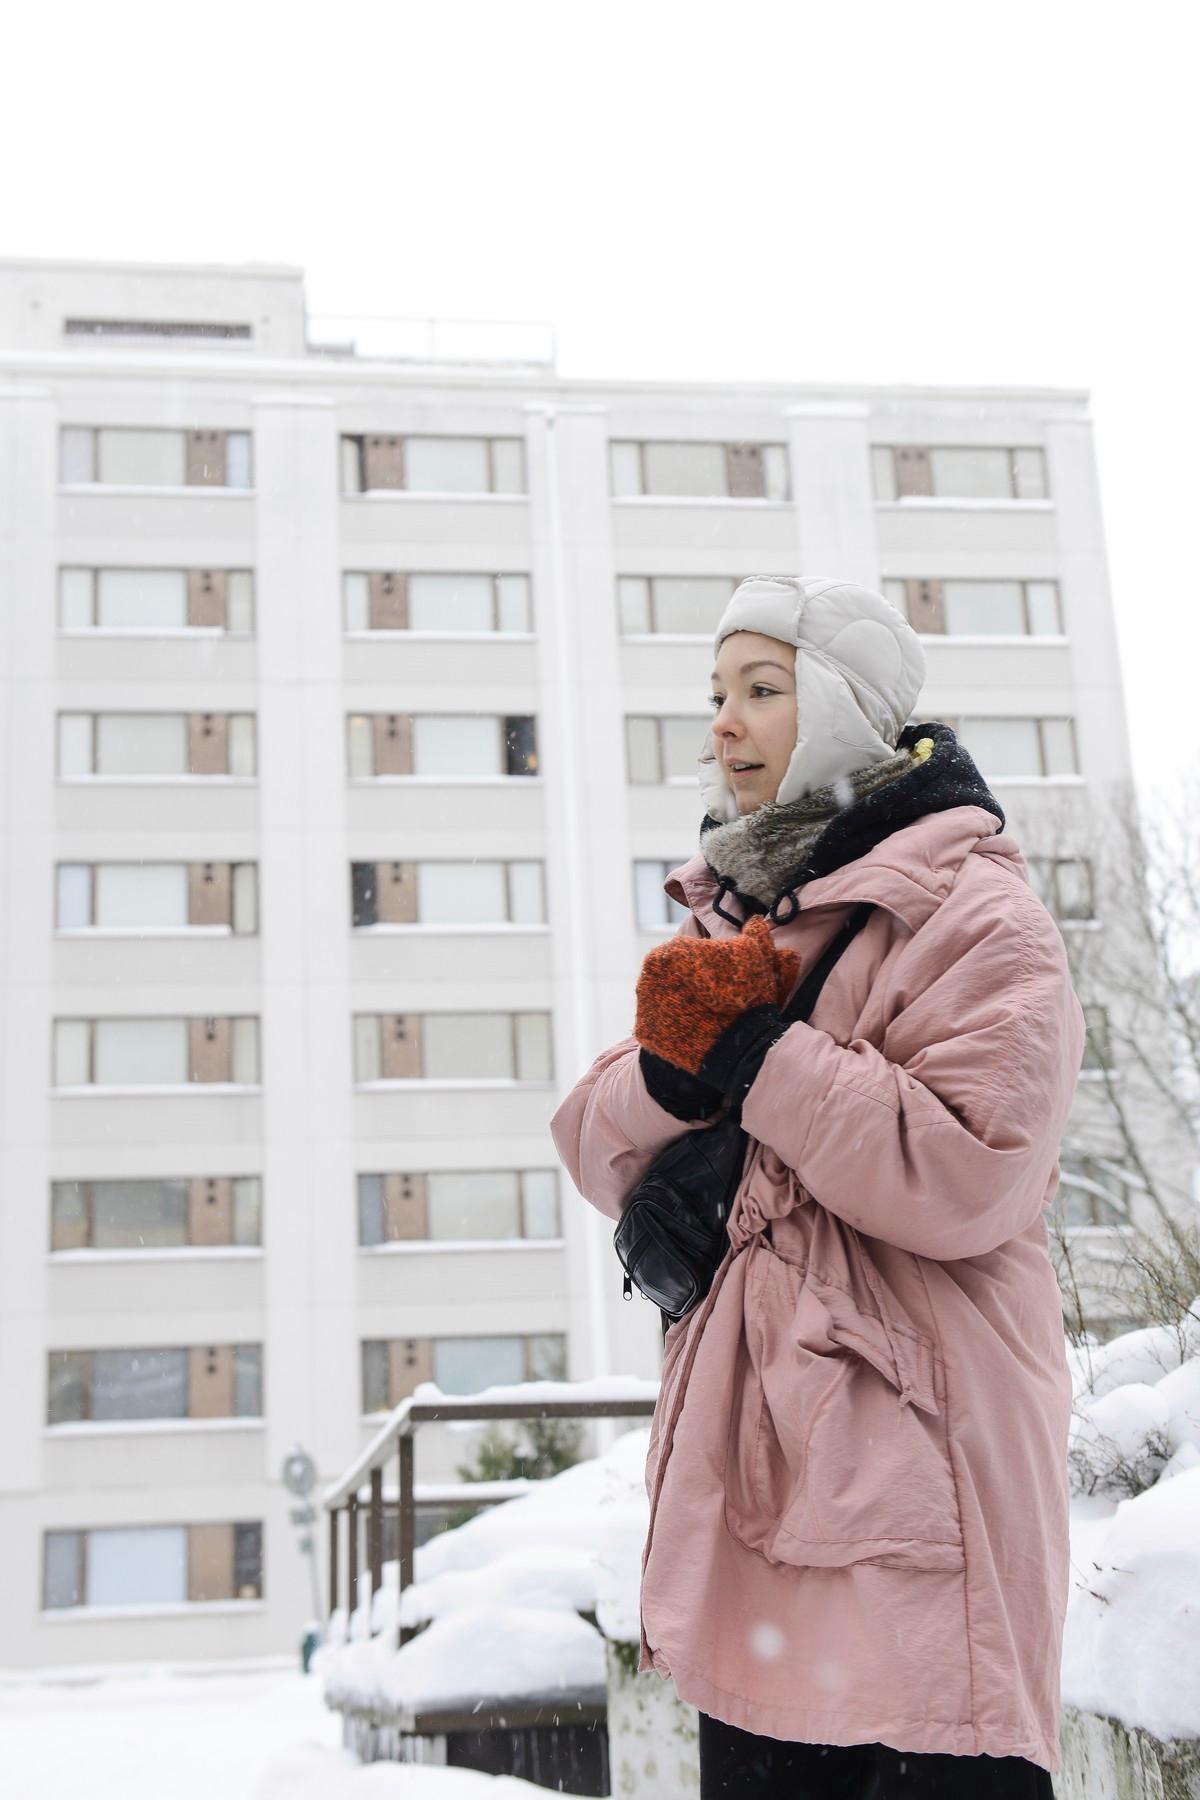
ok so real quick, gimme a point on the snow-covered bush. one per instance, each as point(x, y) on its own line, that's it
point(1136, 1414)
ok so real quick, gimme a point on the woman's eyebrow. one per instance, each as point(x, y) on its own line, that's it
point(763, 662)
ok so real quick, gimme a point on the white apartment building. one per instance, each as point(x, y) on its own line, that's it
point(351, 706)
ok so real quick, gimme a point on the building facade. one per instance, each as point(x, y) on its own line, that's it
point(351, 707)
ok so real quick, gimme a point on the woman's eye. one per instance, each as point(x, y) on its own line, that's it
point(716, 701)
point(761, 688)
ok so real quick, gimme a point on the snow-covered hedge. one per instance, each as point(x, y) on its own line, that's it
point(1131, 1648)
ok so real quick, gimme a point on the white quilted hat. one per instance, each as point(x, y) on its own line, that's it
point(859, 670)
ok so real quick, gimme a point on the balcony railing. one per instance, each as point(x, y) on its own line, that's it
point(360, 1496)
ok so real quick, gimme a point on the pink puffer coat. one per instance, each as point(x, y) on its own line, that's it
point(857, 1466)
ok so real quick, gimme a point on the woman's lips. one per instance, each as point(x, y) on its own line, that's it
point(742, 774)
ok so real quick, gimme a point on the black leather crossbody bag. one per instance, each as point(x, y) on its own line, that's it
point(672, 1234)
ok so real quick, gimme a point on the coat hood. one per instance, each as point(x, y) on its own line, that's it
point(859, 671)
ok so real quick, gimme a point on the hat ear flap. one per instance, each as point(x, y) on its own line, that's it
point(719, 799)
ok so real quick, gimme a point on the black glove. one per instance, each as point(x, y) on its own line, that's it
point(684, 1096)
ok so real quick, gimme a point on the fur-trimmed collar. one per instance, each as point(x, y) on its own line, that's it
point(764, 855)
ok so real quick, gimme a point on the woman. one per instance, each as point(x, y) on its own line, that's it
point(856, 1562)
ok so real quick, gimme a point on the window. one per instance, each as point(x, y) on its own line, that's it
point(492, 1046)
point(978, 608)
point(447, 893)
point(449, 604)
point(972, 472)
point(169, 1213)
point(157, 897)
point(152, 745)
point(661, 750)
point(156, 600)
point(133, 457)
point(392, 1369)
point(1065, 884)
point(675, 605)
point(441, 746)
point(654, 909)
point(1092, 1194)
point(1097, 1049)
point(152, 1565)
point(1019, 749)
point(736, 471)
point(433, 465)
point(211, 1382)
point(472, 1205)
point(123, 1053)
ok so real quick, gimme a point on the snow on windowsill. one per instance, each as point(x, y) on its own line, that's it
point(166, 632)
point(157, 780)
point(702, 500)
point(469, 496)
point(996, 640)
point(176, 1088)
point(142, 489)
point(431, 1246)
point(149, 931)
point(666, 637)
point(434, 781)
point(441, 637)
point(107, 1428)
point(448, 1084)
point(481, 928)
point(962, 503)
point(159, 1253)
point(181, 1609)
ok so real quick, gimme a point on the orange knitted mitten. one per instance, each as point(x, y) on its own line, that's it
point(691, 990)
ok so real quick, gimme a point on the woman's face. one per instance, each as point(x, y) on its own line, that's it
point(754, 700)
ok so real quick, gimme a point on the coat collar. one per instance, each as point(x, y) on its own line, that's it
point(909, 872)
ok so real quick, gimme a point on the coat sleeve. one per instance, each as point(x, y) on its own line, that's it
point(609, 1128)
point(944, 1142)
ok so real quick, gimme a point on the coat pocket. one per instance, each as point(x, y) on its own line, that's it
point(837, 1448)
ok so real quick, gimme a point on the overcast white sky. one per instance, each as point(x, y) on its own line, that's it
point(965, 192)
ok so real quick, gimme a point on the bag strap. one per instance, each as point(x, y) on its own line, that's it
point(801, 1004)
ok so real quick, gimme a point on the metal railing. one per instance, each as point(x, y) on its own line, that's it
point(359, 1494)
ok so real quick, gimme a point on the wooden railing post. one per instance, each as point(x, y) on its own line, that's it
point(375, 1532)
point(333, 1560)
point(352, 1555)
point(406, 1527)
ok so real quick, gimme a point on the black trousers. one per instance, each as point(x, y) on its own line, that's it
point(735, 1762)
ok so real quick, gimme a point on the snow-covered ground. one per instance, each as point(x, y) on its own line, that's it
point(252, 1731)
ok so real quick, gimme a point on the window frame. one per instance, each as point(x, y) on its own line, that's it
point(1039, 720)
point(934, 498)
point(424, 633)
point(507, 726)
point(658, 720)
point(95, 629)
point(726, 446)
point(387, 1083)
point(655, 634)
point(939, 583)
point(521, 1240)
point(184, 776)
point(238, 899)
point(489, 441)
point(164, 487)
point(249, 1200)
point(142, 1608)
point(187, 1086)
